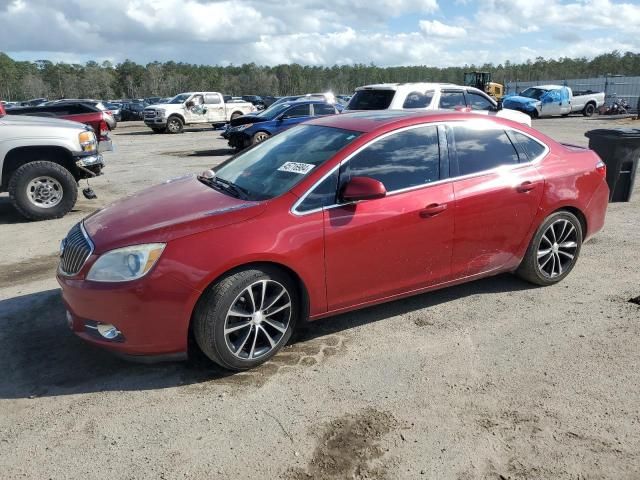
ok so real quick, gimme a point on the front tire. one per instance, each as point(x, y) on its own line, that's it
point(553, 251)
point(175, 125)
point(245, 318)
point(43, 190)
point(259, 137)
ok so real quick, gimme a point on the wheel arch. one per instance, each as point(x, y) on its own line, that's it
point(19, 156)
point(579, 215)
point(300, 284)
point(177, 114)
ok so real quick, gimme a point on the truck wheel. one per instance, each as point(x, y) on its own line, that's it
point(235, 115)
point(589, 110)
point(43, 190)
point(259, 137)
point(174, 125)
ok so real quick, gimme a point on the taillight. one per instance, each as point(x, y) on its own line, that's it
point(2, 111)
point(104, 129)
point(601, 168)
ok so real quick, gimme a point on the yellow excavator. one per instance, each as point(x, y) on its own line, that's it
point(482, 81)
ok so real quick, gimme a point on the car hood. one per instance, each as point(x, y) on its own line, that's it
point(245, 119)
point(516, 101)
point(28, 121)
point(174, 209)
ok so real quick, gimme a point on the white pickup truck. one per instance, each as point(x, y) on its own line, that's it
point(193, 108)
point(550, 100)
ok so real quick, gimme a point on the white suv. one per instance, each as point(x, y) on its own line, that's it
point(429, 96)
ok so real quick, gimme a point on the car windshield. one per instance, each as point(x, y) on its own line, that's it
point(371, 100)
point(275, 166)
point(284, 99)
point(535, 93)
point(180, 98)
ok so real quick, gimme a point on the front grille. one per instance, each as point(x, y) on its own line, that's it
point(149, 114)
point(75, 250)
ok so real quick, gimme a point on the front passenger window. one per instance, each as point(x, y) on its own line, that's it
point(401, 160)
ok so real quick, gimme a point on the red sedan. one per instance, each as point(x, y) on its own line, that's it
point(332, 215)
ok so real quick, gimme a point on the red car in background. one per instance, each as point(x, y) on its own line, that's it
point(77, 112)
point(333, 215)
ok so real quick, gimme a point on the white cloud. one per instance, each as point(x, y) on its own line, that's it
point(435, 28)
point(316, 32)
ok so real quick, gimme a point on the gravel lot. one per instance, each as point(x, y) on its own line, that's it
point(493, 379)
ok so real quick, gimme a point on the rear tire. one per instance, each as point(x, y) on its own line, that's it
point(43, 190)
point(553, 251)
point(259, 137)
point(239, 323)
point(174, 125)
point(589, 110)
point(235, 115)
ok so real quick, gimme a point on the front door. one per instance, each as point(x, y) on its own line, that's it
point(378, 248)
point(496, 199)
point(293, 116)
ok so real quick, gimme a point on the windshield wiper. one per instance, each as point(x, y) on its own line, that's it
point(225, 186)
point(240, 192)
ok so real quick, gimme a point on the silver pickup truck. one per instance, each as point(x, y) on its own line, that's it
point(41, 162)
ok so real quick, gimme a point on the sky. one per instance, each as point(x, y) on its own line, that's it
point(316, 32)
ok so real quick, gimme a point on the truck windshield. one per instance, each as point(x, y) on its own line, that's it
point(181, 98)
point(534, 93)
point(275, 166)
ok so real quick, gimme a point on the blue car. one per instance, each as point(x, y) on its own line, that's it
point(252, 129)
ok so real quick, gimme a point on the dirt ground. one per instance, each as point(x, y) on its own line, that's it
point(493, 379)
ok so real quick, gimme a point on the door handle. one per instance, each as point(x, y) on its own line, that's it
point(432, 210)
point(525, 187)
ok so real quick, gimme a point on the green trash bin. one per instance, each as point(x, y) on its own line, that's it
point(619, 149)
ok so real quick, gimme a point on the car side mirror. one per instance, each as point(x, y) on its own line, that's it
point(189, 104)
point(362, 188)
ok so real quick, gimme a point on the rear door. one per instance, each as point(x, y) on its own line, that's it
point(497, 194)
point(215, 108)
point(402, 242)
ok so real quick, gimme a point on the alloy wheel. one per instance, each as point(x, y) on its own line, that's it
point(44, 192)
point(257, 319)
point(261, 137)
point(557, 248)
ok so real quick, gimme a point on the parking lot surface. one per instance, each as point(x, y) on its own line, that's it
point(492, 379)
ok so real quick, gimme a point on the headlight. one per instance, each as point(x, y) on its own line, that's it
point(242, 127)
point(88, 141)
point(124, 264)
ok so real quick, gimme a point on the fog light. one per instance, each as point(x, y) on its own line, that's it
point(108, 331)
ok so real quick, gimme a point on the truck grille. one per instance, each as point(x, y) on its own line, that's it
point(75, 250)
point(149, 114)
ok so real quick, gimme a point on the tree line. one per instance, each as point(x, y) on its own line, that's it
point(22, 80)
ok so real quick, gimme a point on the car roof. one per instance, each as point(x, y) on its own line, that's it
point(368, 121)
point(406, 86)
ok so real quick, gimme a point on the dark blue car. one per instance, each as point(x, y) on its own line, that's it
point(251, 129)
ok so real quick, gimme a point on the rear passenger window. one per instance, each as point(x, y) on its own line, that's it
point(418, 100)
point(323, 109)
point(323, 195)
point(478, 102)
point(531, 147)
point(452, 99)
point(401, 160)
point(479, 149)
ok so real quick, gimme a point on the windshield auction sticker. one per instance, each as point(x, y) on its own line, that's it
point(294, 167)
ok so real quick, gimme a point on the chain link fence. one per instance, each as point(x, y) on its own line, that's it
point(614, 87)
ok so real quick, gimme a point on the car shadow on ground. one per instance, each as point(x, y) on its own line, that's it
point(41, 357)
point(9, 215)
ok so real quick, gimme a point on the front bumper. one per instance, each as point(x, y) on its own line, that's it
point(154, 122)
point(238, 140)
point(152, 314)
